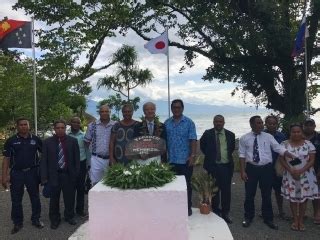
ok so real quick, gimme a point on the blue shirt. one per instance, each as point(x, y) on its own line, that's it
point(179, 135)
point(80, 137)
point(279, 137)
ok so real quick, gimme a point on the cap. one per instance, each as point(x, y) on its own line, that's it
point(309, 120)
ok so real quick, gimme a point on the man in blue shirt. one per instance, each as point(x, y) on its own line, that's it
point(181, 144)
point(272, 125)
point(84, 157)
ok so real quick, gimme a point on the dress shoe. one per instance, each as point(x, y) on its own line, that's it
point(82, 214)
point(38, 224)
point(16, 228)
point(54, 225)
point(71, 221)
point(246, 223)
point(271, 225)
point(227, 219)
point(189, 212)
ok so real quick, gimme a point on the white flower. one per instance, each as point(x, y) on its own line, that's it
point(127, 173)
point(138, 172)
point(132, 166)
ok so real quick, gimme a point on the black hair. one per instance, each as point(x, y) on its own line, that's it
point(127, 105)
point(253, 119)
point(271, 116)
point(21, 119)
point(218, 116)
point(177, 101)
point(59, 121)
point(292, 125)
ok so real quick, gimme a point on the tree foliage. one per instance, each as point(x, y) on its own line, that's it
point(56, 99)
point(127, 76)
point(248, 42)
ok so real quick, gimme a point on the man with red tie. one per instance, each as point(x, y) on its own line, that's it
point(60, 165)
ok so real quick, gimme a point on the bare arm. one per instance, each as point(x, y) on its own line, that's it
point(5, 172)
point(243, 173)
point(193, 150)
point(111, 148)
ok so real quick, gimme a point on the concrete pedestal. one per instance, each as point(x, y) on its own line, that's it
point(153, 213)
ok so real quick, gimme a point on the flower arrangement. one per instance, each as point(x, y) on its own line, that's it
point(136, 176)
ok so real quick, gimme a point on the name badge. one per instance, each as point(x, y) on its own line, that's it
point(33, 142)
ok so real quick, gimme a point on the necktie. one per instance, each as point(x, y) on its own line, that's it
point(150, 128)
point(218, 146)
point(61, 161)
point(255, 156)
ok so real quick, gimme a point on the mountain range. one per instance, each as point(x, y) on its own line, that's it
point(189, 108)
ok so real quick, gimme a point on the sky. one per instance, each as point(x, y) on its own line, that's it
point(188, 86)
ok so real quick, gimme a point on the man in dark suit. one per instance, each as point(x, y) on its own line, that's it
point(60, 165)
point(218, 144)
point(150, 125)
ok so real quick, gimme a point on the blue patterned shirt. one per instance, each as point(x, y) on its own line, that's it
point(179, 135)
point(98, 135)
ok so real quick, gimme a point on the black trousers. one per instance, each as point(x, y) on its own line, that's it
point(18, 180)
point(184, 169)
point(67, 186)
point(264, 176)
point(223, 175)
point(80, 187)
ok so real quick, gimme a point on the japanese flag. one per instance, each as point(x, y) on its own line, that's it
point(158, 44)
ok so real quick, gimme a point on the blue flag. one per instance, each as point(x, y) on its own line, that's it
point(301, 35)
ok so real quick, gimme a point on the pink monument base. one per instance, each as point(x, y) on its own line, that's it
point(153, 213)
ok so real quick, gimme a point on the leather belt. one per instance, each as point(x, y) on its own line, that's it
point(101, 156)
point(25, 169)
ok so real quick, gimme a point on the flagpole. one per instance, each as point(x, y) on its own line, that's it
point(306, 59)
point(34, 81)
point(168, 75)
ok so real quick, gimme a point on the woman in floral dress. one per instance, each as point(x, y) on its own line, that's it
point(299, 180)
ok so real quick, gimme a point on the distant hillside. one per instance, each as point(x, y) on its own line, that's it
point(189, 108)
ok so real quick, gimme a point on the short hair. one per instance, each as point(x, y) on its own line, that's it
point(104, 105)
point(253, 119)
point(148, 103)
point(75, 117)
point(297, 124)
point(218, 116)
point(272, 116)
point(177, 101)
point(127, 105)
point(18, 120)
point(56, 122)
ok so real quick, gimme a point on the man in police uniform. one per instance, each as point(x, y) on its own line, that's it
point(21, 155)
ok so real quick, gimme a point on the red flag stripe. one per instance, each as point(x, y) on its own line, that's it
point(7, 26)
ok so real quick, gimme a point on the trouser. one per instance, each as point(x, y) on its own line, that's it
point(80, 187)
point(223, 175)
point(18, 180)
point(67, 186)
point(262, 175)
point(184, 169)
point(98, 168)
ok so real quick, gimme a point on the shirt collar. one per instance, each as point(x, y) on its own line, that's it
point(183, 118)
point(221, 131)
point(76, 134)
point(29, 136)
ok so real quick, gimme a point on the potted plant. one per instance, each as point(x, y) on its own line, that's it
point(205, 186)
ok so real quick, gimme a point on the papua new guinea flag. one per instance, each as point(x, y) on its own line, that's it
point(15, 34)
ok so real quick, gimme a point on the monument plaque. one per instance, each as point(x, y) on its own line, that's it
point(145, 147)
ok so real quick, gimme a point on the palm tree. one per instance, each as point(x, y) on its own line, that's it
point(128, 75)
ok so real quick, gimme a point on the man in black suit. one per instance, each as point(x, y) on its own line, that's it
point(218, 144)
point(60, 165)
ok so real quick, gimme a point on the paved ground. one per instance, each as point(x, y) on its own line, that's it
point(256, 231)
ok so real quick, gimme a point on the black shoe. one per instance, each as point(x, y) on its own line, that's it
point(54, 225)
point(38, 224)
point(189, 212)
point(16, 228)
point(246, 223)
point(271, 225)
point(71, 221)
point(82, 214)
point(227, 219)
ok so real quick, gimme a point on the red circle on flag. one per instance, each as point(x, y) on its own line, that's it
point(160, 45)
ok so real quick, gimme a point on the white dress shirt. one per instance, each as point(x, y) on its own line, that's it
point(266, 142)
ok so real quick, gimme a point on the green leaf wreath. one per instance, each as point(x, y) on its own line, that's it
point(136, 176)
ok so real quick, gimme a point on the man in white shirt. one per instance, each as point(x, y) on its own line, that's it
point(256, 167)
